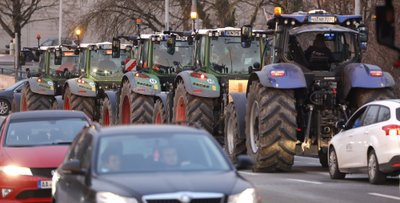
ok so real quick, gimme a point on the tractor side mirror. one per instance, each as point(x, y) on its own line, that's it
point(385, 30)
point(116, 48)
point(58, 56)
point(171, 43)
point(363, 36)
point(190, 40)
point(246, 36)
point(135, 42)
point(123, 66)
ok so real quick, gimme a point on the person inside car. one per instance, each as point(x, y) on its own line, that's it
point(319, 55)
point(111, 158)
point(169, 157)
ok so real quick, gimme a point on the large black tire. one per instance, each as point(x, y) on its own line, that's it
point(334, 171)
point(159, 115)
point(323, 157)
point(5, 107)
point(107, 114)
point(363, 96)
point(271, 128)
point(234, 145)
point(192, 110)
point(15, 104)
point(31, 101)
point(135, 108)
point(375, 176)
point(79, 103)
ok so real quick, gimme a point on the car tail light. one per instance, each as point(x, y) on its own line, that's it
point(199, 75)
point(396, 165)
point(376, 73)
point(140, 75)
point(391, 129)
point(278, 73)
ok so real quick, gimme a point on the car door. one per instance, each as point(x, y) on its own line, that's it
point(344, 144)
point(362, 136)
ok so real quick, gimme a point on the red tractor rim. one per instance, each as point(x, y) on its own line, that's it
point(158, 118)
point(106, 117)
point(126, 111)
point(24, 105)
point(66, 104)
point(181, 111)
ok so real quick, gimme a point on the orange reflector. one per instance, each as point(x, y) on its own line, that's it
point(277, 11)
point(82, 91)
point(108, 51)
point(278, 73)
point(68, 53)
point(376, 73)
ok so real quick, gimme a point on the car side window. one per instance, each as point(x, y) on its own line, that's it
point(371, 116)
point(384, 114)
point(355, 120)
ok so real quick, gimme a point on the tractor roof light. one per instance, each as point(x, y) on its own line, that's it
point(277, 11)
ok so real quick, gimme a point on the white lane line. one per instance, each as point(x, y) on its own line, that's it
point(248, 173)
point(305, 181)
point(385, 196)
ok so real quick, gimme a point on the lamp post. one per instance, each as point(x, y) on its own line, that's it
point(166, 15)
point(193, 14)
point(60, 23)
point(78, 33)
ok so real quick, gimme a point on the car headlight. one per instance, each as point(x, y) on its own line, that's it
point(108, 197)
point(247, 196)
point(12, 170)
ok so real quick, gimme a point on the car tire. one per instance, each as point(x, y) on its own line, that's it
point(135, 108)
point(5, 107)
point(234, 145)
point(333, 166)
point(271, 128)
point(375, 176)
point(79, 103)
point(31, 101)
point(159, 114)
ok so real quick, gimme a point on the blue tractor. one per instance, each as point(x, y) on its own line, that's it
point(313, 81)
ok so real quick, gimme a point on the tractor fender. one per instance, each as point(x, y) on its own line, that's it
point(240, 101)
point(16, 101)
point(82, 87)
point(292, 78)
point(143, 83)
point(113, 97)
point(60, 102)
point(358, 75)
point(43, 86)
point(197, 86)
point(162, 96)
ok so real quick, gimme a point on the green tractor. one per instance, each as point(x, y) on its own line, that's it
point(99, 72)
point(223, 61)
point(142, 95)
point(56, 65)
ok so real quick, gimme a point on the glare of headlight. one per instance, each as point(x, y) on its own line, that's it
point(12, 170)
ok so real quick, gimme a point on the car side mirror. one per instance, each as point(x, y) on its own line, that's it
point(116, 48)
point(73, 166)
point(340, 125)
point(244, 162)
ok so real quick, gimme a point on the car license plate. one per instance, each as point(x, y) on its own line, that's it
point(44, 184)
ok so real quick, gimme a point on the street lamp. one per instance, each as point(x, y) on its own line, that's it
point(78, 33)
point(193, 14)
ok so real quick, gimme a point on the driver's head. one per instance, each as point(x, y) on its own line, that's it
point(319, 41)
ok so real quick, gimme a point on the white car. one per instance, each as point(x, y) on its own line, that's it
point(369, 142)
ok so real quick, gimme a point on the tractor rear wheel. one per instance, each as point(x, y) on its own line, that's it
point(79, 103)
point(32, 101)
point(234, 145)
point(159, 115)
point(107, 115)
point(271, 128)
point(363, 96)
point(134, 108)
point(189, 109)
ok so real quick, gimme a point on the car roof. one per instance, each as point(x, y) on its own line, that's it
point(387, 102)
point(47, 114)
point(148, 128)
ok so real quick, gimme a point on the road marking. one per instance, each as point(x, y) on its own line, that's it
point(305, 181)
point(248, 173)
point(385, 196)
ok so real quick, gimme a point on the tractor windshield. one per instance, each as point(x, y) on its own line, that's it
point(318, 50)
point(102, 65)
point(165, 58)
point(70, 64)
point(228, 57)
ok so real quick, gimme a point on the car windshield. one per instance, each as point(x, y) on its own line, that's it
point(38, 132)
point(156, 153)
point(70, 63)
point(164, 58)
point(102, 65)
point(228, 57)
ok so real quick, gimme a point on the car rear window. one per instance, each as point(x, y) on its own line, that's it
point(398, 114)
point(40, 132)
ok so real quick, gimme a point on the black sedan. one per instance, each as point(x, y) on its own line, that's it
point(150, 164)
point(6, 96)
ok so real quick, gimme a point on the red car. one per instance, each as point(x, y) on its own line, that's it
point(32, 145)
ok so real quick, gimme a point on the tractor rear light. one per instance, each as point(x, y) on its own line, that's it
point(81, 81)
point(199, 75)
point(197, 91)
point(376, 73)
point(278, 73)
point(140, 75)
point(39, 80)
point(277, 11)
point(391, 130)
point(396, 165)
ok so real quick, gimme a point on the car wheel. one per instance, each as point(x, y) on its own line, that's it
point(374, 175)
point(4, 107)
point(334, 166)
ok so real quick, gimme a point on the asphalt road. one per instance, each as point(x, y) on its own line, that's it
point(308, 182)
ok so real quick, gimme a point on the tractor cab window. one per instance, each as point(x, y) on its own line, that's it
point(103, 65)
point(164, 58)
point(322, 50)
point(69, 65)
point(228, 57)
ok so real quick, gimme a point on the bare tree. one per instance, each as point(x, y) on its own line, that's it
point(15, 14)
